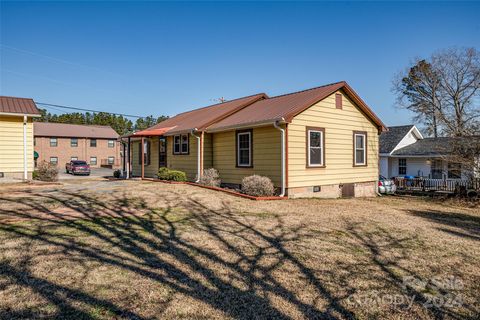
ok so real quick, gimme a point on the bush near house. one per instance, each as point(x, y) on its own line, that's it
point(171, 175)
point(46, 172)
point(210, 178)
point(258, 186)
point(117, 174)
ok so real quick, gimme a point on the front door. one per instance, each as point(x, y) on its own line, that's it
point(162, 152)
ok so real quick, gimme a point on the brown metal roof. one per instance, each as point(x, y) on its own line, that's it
point(203, 117)
point(50, 129)
point(18, 105)
point(288, 106)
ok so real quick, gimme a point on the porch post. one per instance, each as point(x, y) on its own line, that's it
point(142, 146)
point(201, 152)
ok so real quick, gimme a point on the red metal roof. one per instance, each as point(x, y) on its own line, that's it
point(288, 106)
point(18, 105)
point(203, 117)
point(150, 132)
point(50, 129)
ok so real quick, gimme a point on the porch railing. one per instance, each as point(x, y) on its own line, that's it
point(447, 185)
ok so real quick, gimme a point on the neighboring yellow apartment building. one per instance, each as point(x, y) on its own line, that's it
point(16, 137)
point(320, 142)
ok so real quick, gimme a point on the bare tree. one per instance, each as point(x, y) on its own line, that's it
point(443, 91)
point(459, 72)
point(417, 90)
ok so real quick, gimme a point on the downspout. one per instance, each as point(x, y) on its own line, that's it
point(25, 169)
point(282, 145)
point(198, 154)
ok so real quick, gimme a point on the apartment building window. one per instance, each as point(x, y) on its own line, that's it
point(359, 148)
point(93, 161)
point(93, 143)
point(111, 160)
point(111, 143)
point(54, 160)
point(73, 158)
point(402, 167)
point(74, 142)
point(53, 142)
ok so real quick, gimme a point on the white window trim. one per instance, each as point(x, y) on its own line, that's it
point(249, 134)
point(322, 162)
point(364, 148)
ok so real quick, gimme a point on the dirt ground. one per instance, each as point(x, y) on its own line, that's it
point(143, 250)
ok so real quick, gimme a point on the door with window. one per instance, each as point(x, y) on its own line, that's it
point(162, 152)
point(437, 169)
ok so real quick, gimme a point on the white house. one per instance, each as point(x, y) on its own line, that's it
point(405, 152)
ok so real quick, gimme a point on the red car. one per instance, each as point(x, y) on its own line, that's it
point(77, 167)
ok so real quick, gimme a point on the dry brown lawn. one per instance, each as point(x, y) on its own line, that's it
point(142, 250)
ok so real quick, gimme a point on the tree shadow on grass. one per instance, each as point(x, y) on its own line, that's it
point(242, 283)
point(466, 225)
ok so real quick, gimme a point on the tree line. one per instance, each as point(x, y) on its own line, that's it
point(119, 123)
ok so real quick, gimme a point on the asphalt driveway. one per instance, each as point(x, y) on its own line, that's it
point(95, 173)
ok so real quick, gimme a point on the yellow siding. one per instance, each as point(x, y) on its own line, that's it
point(266, 155)
point(151, 169)
point(11, 144)
point(207, 151)
point(339, 125)
point(183, 162)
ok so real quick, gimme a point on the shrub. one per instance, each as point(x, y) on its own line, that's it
point(258, 186)
point(117, 174)
point(35, 175)
point(171, 175)
point(46, 172)
point(210, 178)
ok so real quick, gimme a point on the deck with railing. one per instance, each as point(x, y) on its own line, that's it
point(436, 185)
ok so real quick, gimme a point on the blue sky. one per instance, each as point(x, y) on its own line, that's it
point(164, 58)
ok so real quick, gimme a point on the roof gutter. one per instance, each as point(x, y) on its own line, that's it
point(248, 125)
point(20, 114)
point(282, 144)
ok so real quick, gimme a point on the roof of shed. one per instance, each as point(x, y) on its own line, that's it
point(391, 138)
point(50, 129)
point(18, 105)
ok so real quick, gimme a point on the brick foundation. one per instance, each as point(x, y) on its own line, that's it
point(362, 189)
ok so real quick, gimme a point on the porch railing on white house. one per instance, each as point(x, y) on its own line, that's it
point(447, 185)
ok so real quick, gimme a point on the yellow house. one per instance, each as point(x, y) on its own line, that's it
point(320, 142)
point(16, 137)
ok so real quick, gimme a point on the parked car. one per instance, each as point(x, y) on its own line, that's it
point(386, 186)
point(77, 167)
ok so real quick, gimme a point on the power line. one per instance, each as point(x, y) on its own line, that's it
point(89, 110)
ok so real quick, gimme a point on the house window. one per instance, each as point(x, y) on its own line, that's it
point(244, 148)
point(93, 143)
point(53, 142)
point(111, 143)
point(54, 160)
point(454, 170)
point(181, 144)
point(34, 141)
point(315, 147)
point(74, 142)
point(360, 148)
point(73, 158)
point(402, 167)
point(93, 161)
point(111, 160)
